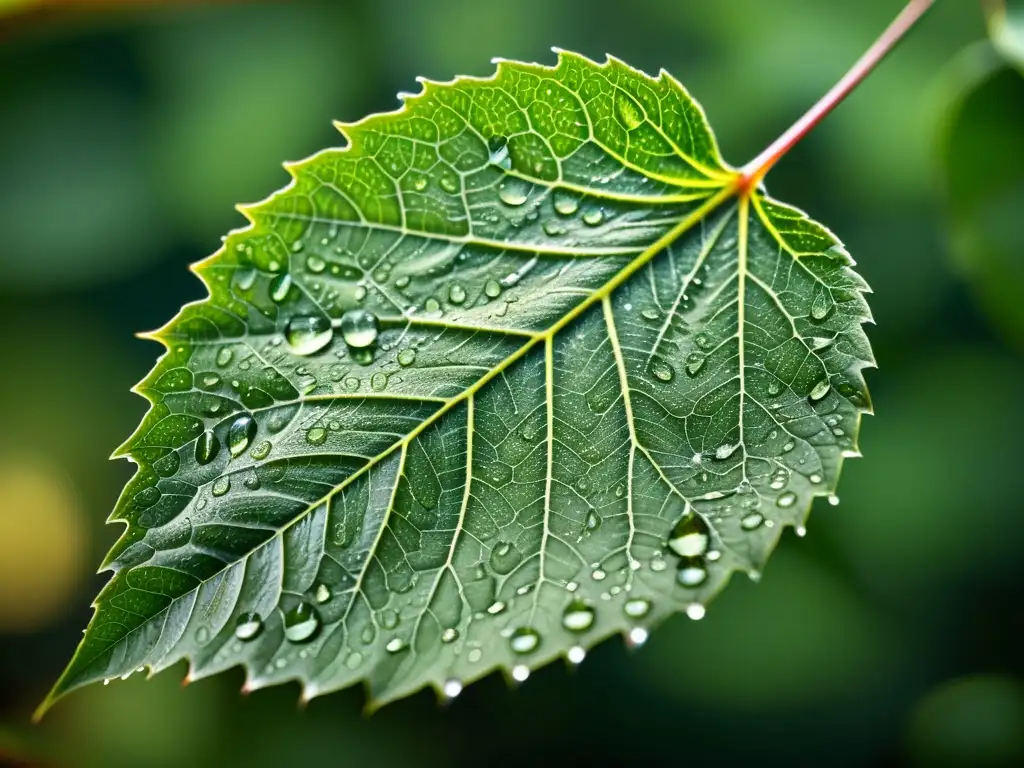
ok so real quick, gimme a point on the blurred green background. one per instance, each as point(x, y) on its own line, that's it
point(892, 634)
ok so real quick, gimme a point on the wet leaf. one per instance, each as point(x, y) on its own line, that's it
point(515, 370)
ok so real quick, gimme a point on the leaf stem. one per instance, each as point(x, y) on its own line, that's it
point(752, 173)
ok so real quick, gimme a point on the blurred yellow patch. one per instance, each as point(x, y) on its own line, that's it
point(42, 542)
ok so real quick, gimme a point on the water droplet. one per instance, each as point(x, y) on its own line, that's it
point(452, 688)
point(248, 626)
point(565, 202)
point(496, 607)
point(821, 306)
point(203, 635)
point(314, 263)
point(308, 334)
point(801, 531)
point(301, 623)
point(147, 497)
point(513, 191)
point(394, 645)
point(261, 450)
point(576, 654)
point(593, 521)
point(497, 146)
point(660, 369)
point(628, 111)
point(456, 293)
point(359, 328)
point(593, 216)
point(578, 616)
point(694, 362)
point(690, 536)
point(774, 387)
point(379, 382)
point(449, 182)
point(833, 500)
point(323, 593)
point(553, 229)
point(240, 434)
point(695, 611)
point(407, 357)
point(316, 436)
point(691, 572)
point(703, 341)
point(224, 356)
point(820, 390)
point(221, 486)
point(354, 660)
point(637, 608)
point(785, 500)
point(524, 640)
point(450, 635)
point(280, 286)
point(637, 636)
point(724, 451)
point(598, 575)
point(520, 673)
point(751, 521)
point(492, 289)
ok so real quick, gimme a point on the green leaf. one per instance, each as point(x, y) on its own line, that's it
point(515, 370)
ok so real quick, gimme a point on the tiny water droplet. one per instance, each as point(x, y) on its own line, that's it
point(315, 264)
point(694, 362)
point(240, 434)
point(301, 623)
point(395, 645)
point(221, 486)
point(628, 111)
point(248, 626)
point(578, 616)
point(452, 688)
point(316, 436)
point(593, 216)
point(496, 607)
point(833, 500)
point(224, 356)
point(261, 450)
point(492, 289)
point(520, 673)
point(308, 334)
point(323, 593)
point(725, 450)
point(407, 357)
point(553, 229)
point(821, 306)
point(379, 382)
point(359, 328)
point(524, 640)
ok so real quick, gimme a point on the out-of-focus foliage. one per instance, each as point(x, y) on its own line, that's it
point(912, 581)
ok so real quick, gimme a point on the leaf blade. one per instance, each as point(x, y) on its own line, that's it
point(334, 513)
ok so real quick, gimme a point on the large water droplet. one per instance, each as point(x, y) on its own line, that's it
point(248, 626)
point(692, 572)
point(513, 191)
point(240, 434)
point(280, 286)
point(820, 390)
point(524, 640)
point(359, 328)
point(308, 334)
point(691, 536)
point(497, 146)
point(565, 202)
point(301, 623)
point(578, 616)
point(660, 370)
point(637, 608)
point(821, 306)
point(785, 500)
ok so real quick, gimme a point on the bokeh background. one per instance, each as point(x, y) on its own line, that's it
point(892, 634)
